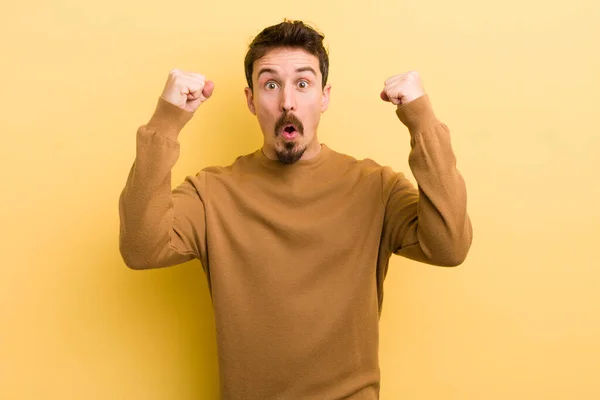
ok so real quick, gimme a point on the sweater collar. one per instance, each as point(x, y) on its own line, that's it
point(300, 164)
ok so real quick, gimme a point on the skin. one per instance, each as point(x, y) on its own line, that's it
point(288, 82)
point(287, 91)
point(402, 89)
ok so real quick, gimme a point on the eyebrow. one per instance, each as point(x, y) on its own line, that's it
point(272, 71)
point(304, 69)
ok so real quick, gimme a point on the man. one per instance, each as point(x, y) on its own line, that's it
point(294, 238)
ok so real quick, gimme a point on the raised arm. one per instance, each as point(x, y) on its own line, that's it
point(159, 226)
point(428, 223)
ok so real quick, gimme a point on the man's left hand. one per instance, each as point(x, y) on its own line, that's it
point(402, 89)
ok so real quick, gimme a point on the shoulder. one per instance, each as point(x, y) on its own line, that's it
point(368, 168)
point(212, 179)
point(243, 169)
point(240, 163)
point(363, 166)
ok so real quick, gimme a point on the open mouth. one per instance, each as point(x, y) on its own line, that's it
point(289, 127)
point(289, 132)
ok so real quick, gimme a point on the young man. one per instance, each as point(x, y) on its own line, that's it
point(294, 238)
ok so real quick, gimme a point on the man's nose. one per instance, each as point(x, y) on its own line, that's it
point(288, 100)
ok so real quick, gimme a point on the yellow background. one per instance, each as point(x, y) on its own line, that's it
point(517, 82)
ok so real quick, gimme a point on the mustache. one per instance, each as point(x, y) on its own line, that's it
point(288, 119)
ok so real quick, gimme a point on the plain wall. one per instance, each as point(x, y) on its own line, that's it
point(517, 82)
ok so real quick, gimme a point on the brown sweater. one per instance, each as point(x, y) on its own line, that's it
point(296, 255)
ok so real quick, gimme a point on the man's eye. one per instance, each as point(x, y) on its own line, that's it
point(271, 85)
point(302, 84)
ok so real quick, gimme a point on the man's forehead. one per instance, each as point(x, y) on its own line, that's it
point(288, 59)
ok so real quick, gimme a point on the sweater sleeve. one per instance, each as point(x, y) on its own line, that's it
point(429, 223)
point(160, 227)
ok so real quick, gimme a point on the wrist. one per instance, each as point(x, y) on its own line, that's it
point(417, 113)
point(168, 119)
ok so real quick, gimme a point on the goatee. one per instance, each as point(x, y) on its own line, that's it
point(290, 153)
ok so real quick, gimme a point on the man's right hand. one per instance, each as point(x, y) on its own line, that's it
point(187, 90)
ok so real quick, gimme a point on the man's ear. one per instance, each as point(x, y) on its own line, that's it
point(250, 100)
point(325, 98)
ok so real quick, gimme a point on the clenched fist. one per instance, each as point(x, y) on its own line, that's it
point(187, 90)
point(402, 89)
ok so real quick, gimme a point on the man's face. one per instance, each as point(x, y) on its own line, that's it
point(288, 100)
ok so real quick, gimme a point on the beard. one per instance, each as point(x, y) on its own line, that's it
point(291, 151)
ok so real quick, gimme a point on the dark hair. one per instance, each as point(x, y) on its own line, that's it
point(292, 34)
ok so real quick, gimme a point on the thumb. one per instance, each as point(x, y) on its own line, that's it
point(384, 96)
point(394, 101)
point(208, 89)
